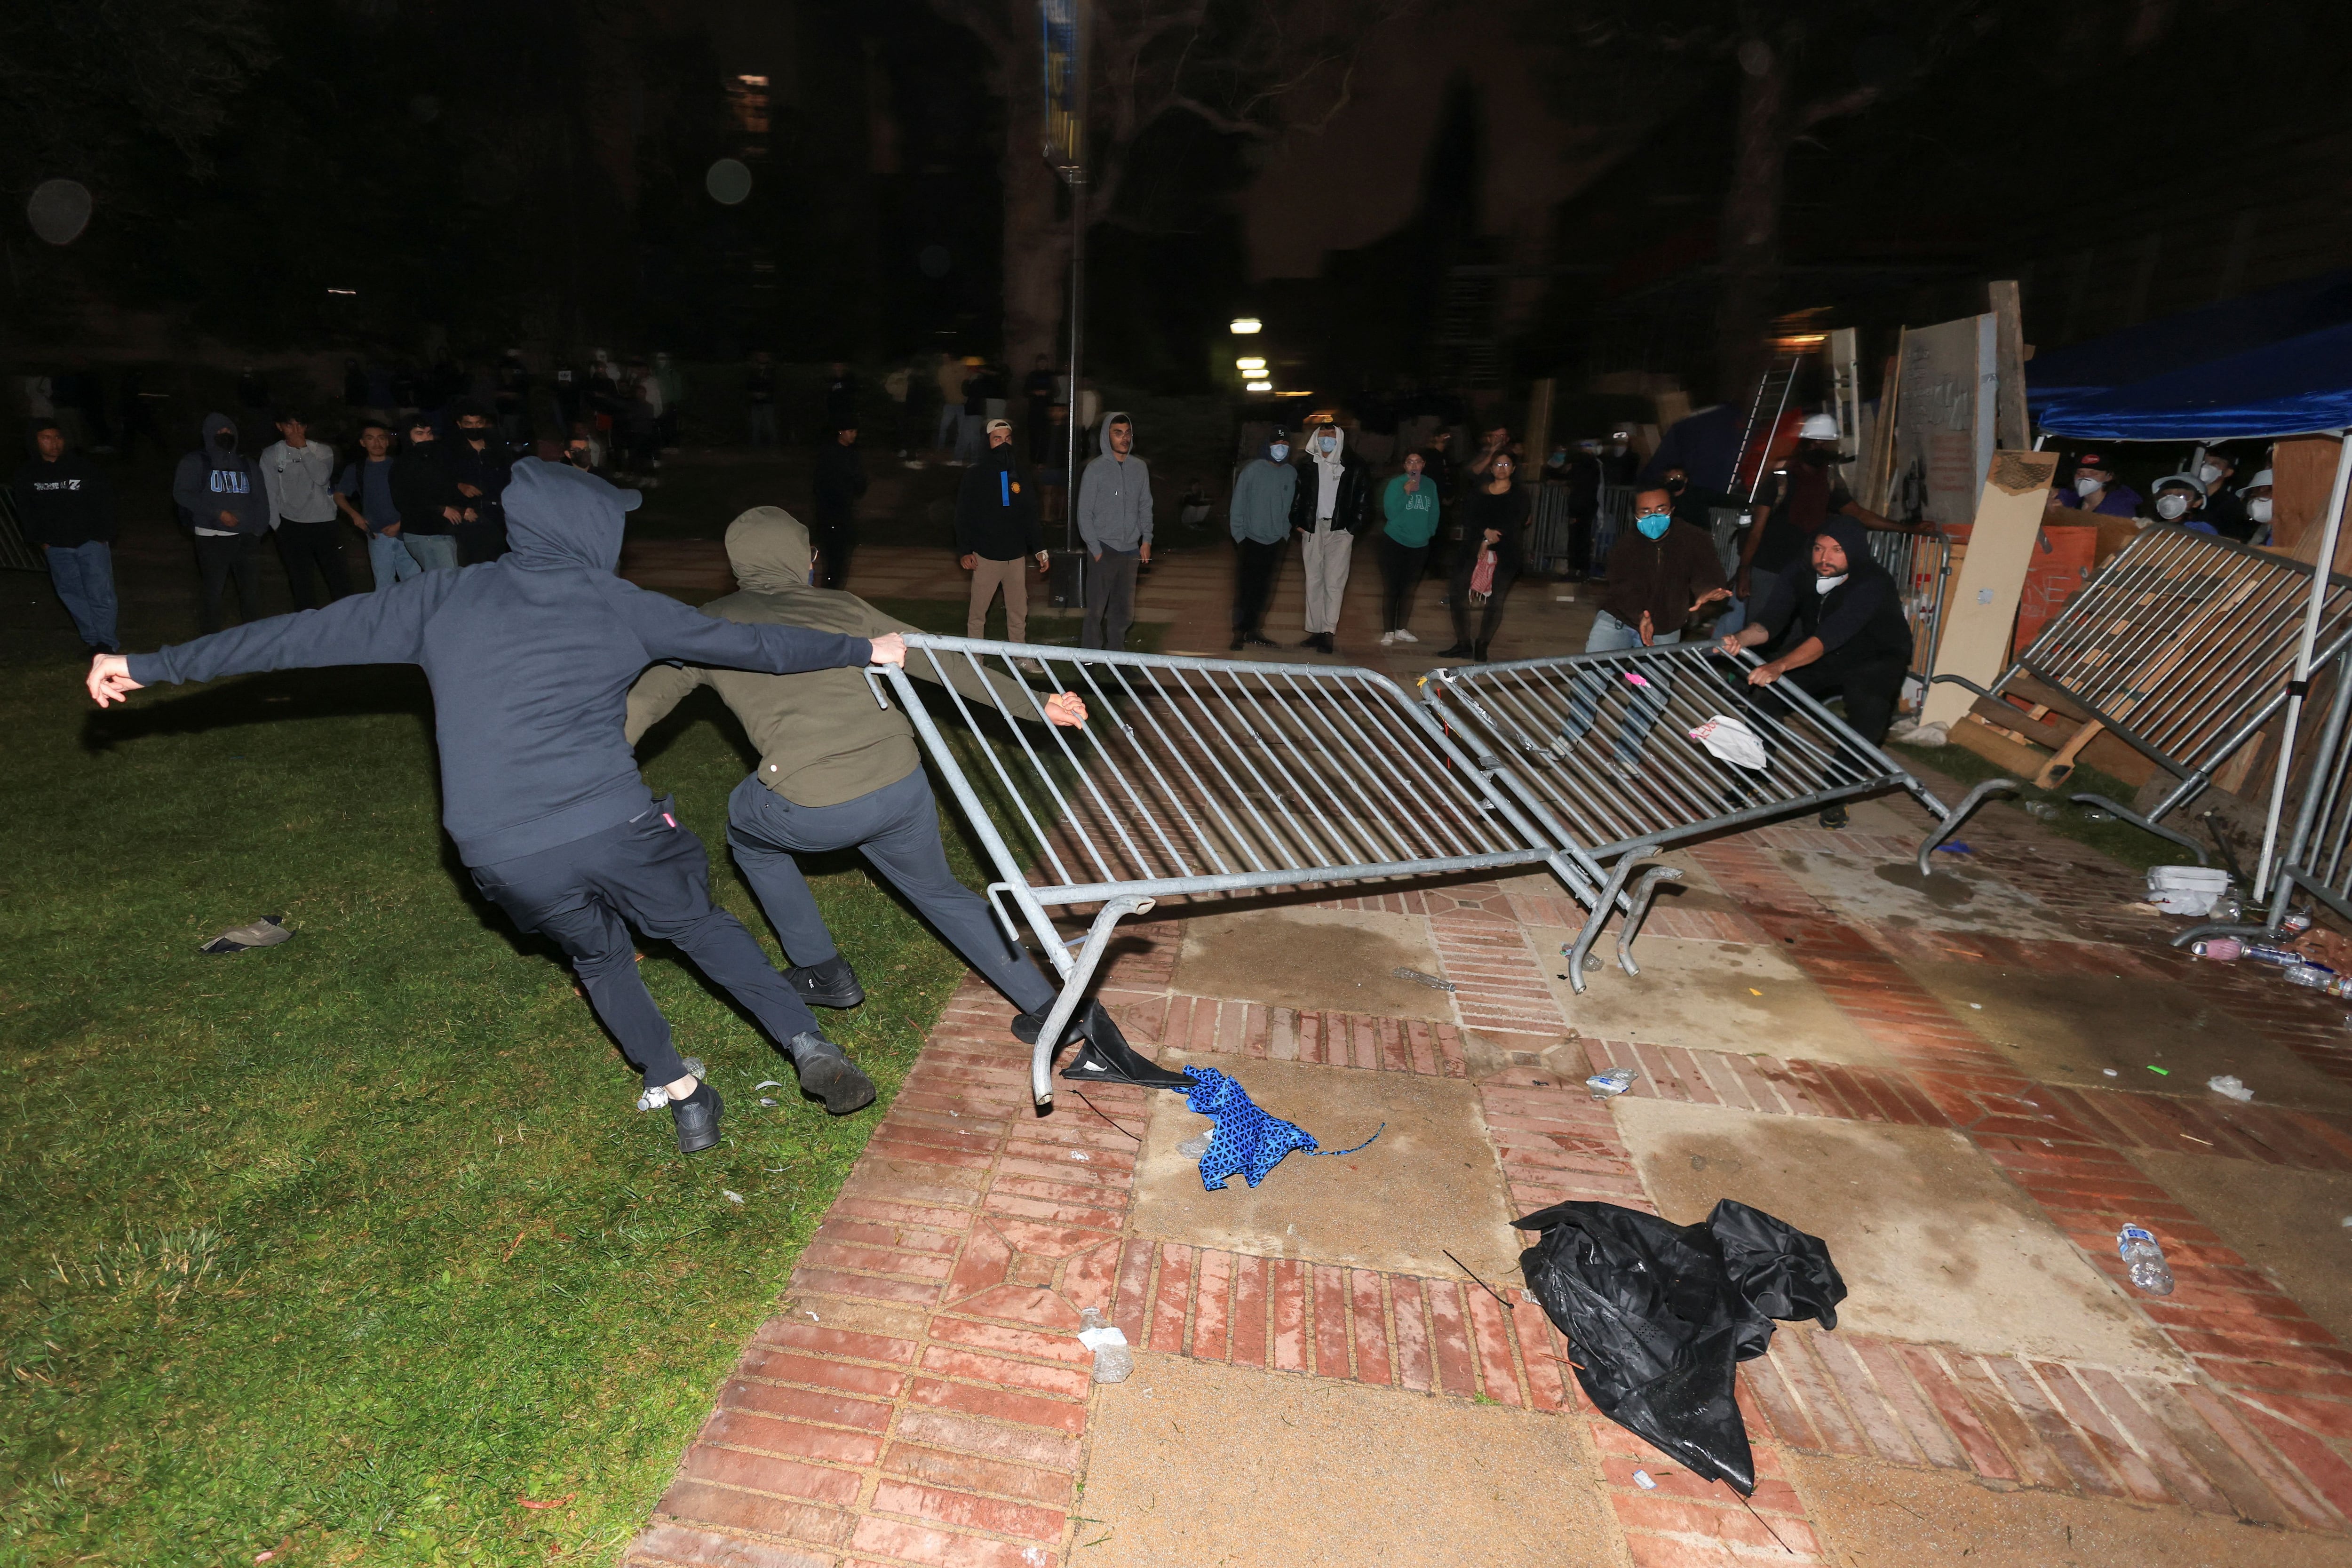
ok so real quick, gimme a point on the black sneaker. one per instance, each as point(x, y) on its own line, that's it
point(1258, 639)
point(1312, 640)
point(1459, 650)
point(697, 1117)
point(832, 983)
point(828, 1074)
point(1105, 1057)
point(1236, 645)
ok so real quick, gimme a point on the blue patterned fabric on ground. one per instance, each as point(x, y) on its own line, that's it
point(1247, 1141)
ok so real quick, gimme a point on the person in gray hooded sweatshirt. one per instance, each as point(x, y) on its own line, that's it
point(1115, 524)
point(530, 658)
point(221, 497)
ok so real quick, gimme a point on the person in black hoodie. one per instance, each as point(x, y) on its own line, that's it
point(224, 502)
point(1493, 524)
point(530, 658)
point(67, 507)
point(840, 480)
point(997, 535)
point(479, 461)
point(1839, 632)
point(427, 498)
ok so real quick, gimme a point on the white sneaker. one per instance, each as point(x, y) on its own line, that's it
point(1388, 639)
point(1403, 635)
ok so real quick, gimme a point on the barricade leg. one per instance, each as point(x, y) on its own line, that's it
point(1958, 814)
point(1645, 891)
point(1610, 892)
point(2150, 823)
point(1076, 974)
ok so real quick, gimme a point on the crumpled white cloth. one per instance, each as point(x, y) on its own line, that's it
point(1732, 741)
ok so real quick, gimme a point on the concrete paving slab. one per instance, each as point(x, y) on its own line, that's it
point(1960, 898)
point(1870, 1514)
point(1934, 1244)
point(1894, 816)
point(1313, 960)
point(1428, 1184)
point(2068, 1028)
point(1194, 1463)
point(1709, 995)
point(2288, 1224)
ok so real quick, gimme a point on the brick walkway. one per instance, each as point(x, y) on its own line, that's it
point(919, 1398)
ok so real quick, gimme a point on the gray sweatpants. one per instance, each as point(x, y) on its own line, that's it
point(1327, 553)
point(897, 828)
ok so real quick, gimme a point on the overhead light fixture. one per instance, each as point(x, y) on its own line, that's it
point(1244, 325)
point(1259, 387)
point(1251, 364)
point(342, 291)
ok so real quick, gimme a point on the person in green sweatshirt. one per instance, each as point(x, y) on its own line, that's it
point(1408, 522)
point(838, 772)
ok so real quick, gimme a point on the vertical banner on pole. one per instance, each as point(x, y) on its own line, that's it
point(1065, 58)
point(1064, 129)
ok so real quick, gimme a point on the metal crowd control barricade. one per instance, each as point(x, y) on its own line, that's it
point(2183, 647)
point(1199, 777)
point(1612, 511)
point(1921, 565)
point(1599, 748)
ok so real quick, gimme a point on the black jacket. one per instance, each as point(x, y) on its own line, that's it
point(840, 479)
point(64, 503)
point(530, 658)
point(421, 487)
point(1351, 503)
point(1860, 621)
point(996, 510)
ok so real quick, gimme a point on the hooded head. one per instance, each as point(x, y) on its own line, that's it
point(217, 454)
point(561, 516)
point(1851, 538)
point(1102, 430)
point(1314, 448)
point(768, 548)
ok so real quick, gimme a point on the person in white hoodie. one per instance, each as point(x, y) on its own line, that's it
point(1332, 505)
point(300, 476)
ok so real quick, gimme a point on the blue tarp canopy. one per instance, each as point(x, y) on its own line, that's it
point(2274, 364)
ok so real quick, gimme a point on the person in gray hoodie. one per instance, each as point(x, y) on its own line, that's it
point(1260, 514)
point(531, 658)
point(221, 499)
point(1115, 524)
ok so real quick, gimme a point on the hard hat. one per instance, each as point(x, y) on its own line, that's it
point(1819, 427)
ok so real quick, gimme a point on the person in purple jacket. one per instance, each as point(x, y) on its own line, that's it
point(530, 658)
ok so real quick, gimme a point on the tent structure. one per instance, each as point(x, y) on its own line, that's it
point(2294, 378)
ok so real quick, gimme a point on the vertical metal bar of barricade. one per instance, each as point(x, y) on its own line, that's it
point(2301, 681)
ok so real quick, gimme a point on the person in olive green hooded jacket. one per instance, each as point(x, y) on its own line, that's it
point(838, 771)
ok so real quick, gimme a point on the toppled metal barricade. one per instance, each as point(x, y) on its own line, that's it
point(2182, 647)
point(2318, 853)
point(1921, 565)
point(1202, 777)
point(1605, 749)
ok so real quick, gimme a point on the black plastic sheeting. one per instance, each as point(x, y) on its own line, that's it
point(1657, 1315)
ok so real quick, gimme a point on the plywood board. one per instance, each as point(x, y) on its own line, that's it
point(1983, 605)
point(1944, 419)
point(2305, 476)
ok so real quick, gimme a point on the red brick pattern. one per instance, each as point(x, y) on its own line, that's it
point(1207, 1025)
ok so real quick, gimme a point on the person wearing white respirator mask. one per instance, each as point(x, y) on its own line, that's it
point(2181, 498)
point(2257, 496)
point(2096, 489)
point(2224, 508)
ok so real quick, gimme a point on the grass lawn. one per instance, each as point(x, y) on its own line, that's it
point(2119, 841)
point(359, 1240)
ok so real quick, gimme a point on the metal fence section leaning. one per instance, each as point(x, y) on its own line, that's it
point(1197, 777)
point(2318, 856)
point(1611, 751)
point(1921, 565)
point(2182, 647)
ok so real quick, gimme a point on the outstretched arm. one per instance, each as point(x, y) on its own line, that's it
point(670, 629)
point(657, 690)
point(364, 629)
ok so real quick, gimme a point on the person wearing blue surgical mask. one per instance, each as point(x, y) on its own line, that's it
point(1660, 574)
point(1259, 513)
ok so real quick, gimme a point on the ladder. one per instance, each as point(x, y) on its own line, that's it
point(1772, 389)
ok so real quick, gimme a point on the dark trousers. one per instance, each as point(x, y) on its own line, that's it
point(1870, 691)
point(836, 541)
point(1110, 600)
point(217, 560)
point(650, 873)
point(897, 828)
point(1255, 566)
point(306, 547)
point(1401, 567)
point(1490, 618)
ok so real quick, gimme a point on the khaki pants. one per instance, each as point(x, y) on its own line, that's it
point(987, 577)
point(1326, 554)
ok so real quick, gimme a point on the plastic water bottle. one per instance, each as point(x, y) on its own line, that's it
point(2143, 1256)
point(2321, 978)
point(1114, 1360)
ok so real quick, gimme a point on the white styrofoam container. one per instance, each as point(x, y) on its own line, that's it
point(2185, 890)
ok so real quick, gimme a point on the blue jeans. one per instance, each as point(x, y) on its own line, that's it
point(1742, 611)
point(388, 559)
point(84, 576)
point(433, 552)
point(1611, 635)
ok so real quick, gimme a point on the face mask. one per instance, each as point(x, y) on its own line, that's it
point(1823, 585)
point(2085, 484)
point(2209, 473)
point(1818, 457)
point(225, 440)
point(1279, 451)
point(1327, 444)
point(1653, 525)
point(2171, 508)
point(2259, 509)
